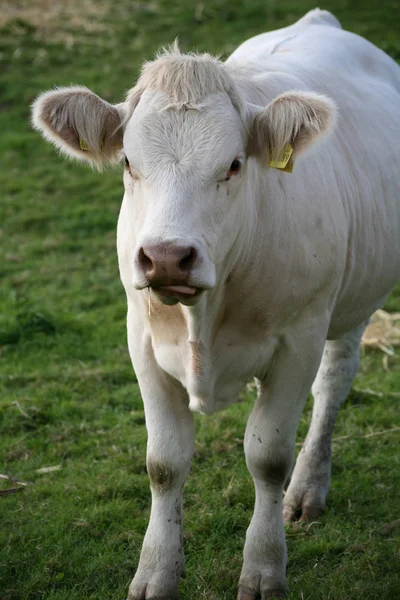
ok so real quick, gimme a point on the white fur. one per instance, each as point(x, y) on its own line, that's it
point(288, 261)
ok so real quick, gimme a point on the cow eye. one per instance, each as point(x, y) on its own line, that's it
point(128, 166)
point(235, 167)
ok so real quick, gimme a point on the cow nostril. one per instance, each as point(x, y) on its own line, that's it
point(144, 260)
point(186, 263)
point(167, 262)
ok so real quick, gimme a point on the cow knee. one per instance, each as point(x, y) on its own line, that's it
point(271, 466)
point(166, 474)
point(162, 476)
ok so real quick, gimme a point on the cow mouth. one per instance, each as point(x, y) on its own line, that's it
point(172, 294)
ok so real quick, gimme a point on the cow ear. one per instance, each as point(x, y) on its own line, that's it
point(295, 118)
point(80, 124)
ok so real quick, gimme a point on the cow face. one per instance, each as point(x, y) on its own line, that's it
point(184, 179)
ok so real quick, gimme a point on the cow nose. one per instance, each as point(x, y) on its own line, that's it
point(166, 264)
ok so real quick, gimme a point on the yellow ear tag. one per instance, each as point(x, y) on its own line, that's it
point(83, 145)
point(283, 161)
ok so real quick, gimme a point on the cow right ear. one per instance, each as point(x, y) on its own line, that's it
point(80, 124)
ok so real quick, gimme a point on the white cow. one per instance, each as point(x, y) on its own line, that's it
point(235, 268)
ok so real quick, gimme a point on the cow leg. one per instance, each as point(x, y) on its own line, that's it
point(306, 495)
point(269, 447)
point(169, 451)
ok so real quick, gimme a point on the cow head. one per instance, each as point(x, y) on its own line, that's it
point(185, 136)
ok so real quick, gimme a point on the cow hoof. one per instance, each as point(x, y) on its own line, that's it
point(143, 592)
point(274, 595)
point(141, 597)
point(246, 593)
point(156, 583)
point(305, 514)
point(305, 511)
point(304, 502)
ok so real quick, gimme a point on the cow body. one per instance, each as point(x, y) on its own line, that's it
point(250, 272)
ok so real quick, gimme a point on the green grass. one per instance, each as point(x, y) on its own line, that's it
point(69, 395)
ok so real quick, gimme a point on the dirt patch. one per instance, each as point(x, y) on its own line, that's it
point(56, 20)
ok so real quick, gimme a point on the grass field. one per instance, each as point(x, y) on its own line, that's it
point(69, 398)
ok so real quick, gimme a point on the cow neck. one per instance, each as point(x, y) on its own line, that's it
point(202, 328)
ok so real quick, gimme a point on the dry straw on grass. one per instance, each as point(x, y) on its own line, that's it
point(383, 332)
point(18, 485)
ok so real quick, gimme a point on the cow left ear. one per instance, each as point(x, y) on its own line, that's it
point(297, 119)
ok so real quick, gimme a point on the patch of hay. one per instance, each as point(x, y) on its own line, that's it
point(383, 332)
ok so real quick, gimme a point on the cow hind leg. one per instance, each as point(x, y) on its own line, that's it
point(310, 482)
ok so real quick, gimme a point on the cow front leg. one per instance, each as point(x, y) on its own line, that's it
point(169, 451)
point(310, 482)
point(269, 447)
